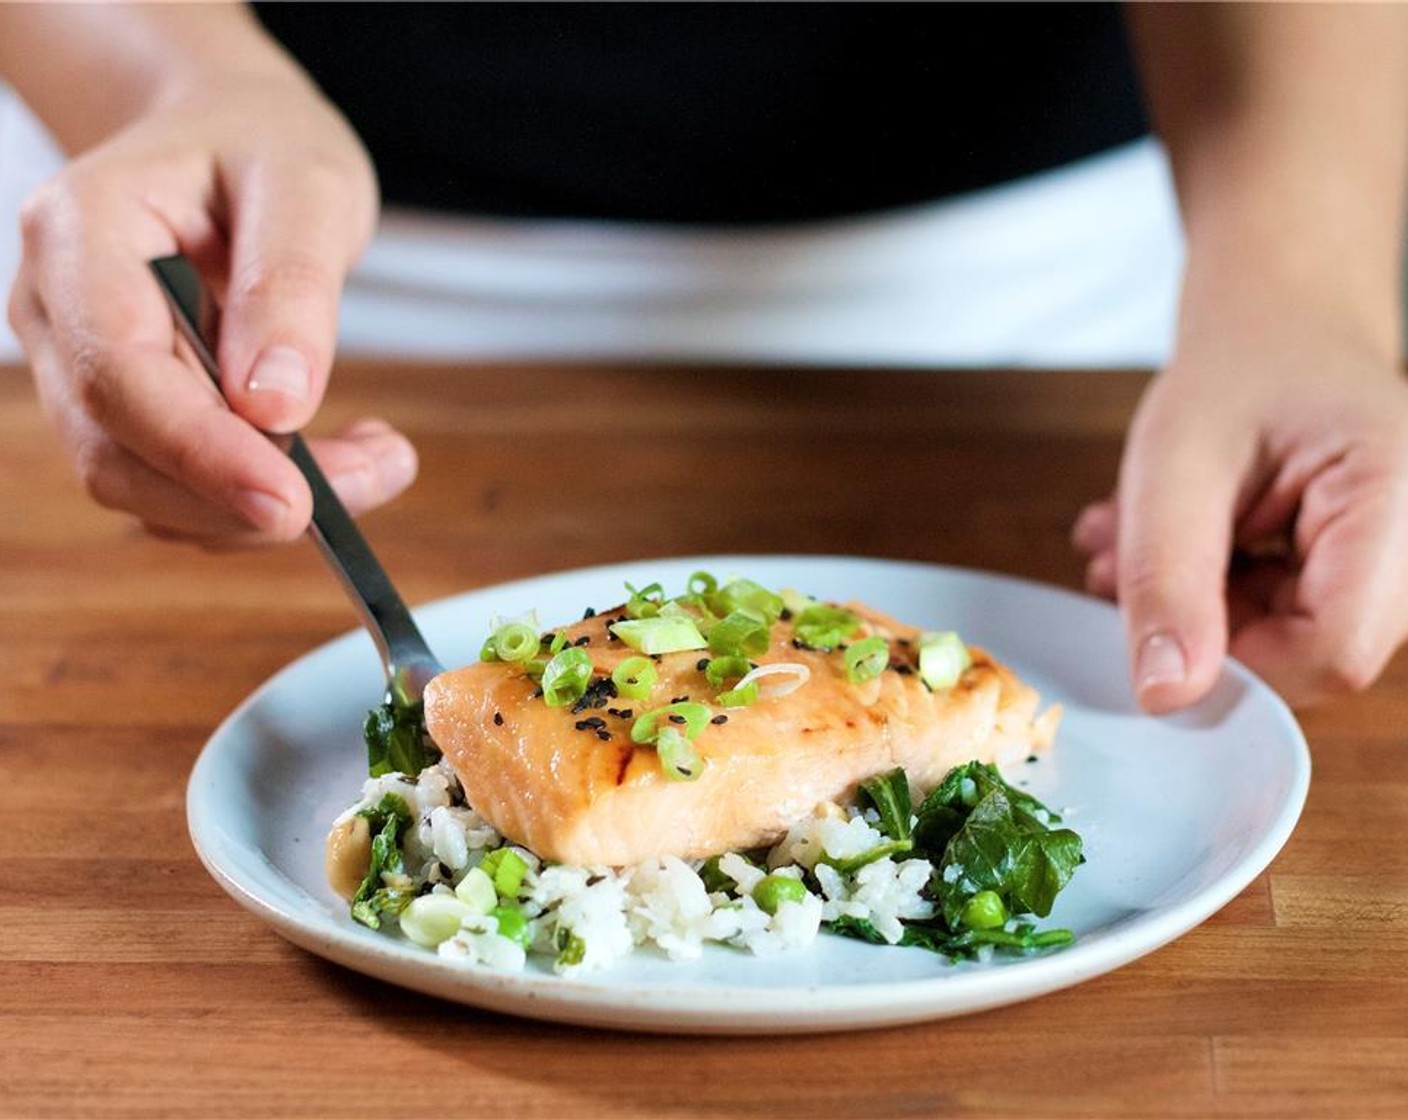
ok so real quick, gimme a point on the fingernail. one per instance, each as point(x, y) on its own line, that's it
point(280, 369)
point(263, 511)
point(356, 488)
point(1161, 661)
point(398, 465)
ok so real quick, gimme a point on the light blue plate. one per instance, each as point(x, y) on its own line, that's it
point(1178, 814)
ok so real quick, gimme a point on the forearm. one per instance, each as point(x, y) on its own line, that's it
point(1287, 127)
point(87, 70)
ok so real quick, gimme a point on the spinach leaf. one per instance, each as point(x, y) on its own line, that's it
point(1005, 848)
point(964, 786)
point(889, 793)
point(386, 889)
point(397, 741)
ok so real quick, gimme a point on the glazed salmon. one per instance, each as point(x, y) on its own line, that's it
point(569, 784)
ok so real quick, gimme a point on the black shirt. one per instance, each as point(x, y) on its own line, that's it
point(702, 113)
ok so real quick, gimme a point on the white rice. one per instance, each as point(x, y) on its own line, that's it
point(662, 905)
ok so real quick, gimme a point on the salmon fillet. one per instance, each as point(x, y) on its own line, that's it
point(569, 784)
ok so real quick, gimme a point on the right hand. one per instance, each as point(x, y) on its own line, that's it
point(267, 190)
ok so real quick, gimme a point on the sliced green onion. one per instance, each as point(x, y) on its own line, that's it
point(566, 676)
point(555, 644)
point(866, 659)
point(687, 716)
point(753, 598)
point(825, 627)
point(516, 641)
point(795, 602)
point(634, 678)
point(739, 635)
point(505, 869)
point(701, 583)
point(433, 918)
point(942, 659)
point(721, 669)
point(681, 762)
point(511, 635)
point(775, 679)
point(513, 924)
point(571, 949)
point(740, 697)
point(645, 602)
point(659, 635)
point(476, 890)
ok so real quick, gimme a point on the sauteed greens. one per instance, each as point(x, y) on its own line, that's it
point(995, 856)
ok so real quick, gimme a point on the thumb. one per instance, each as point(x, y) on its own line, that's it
point(292, 244)
point(1177, 501)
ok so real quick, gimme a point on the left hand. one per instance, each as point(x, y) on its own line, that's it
point(1262, 510)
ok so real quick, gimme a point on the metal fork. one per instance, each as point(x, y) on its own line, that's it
point(405, 656)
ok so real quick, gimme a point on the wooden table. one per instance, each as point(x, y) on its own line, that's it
point(130, 985)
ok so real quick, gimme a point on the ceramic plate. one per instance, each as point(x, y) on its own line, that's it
point(1178, 814)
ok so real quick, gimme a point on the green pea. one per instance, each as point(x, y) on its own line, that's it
point(774, 890)
point(984, 911)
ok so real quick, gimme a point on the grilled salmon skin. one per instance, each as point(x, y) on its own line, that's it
point(569, 783)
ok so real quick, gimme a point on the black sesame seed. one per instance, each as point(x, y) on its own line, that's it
point(590, 612)
point(604, 736)
point(904, 670)
point(595, 722)
point(584, 640)
point(498, 719)
point(675, 717)
point(1031, 758)
point(678, 699)
point(720, 718)
point(582, 725)
point(627, 713)
point(702, 664)
point(797, 643)
point(786, 615)
point(537, 693)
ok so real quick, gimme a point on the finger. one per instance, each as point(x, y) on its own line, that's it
point(1096, 527)
point(1101, 575)
point(117, 376)
point(1350, 607)
point(295, 233)
point(367, 464)
point(1177, 505)
point(106, 350)
point(1258, 587)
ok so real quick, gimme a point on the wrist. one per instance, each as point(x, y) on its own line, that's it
point(134, 59)
point(1246, 293)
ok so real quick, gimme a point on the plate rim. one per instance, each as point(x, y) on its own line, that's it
point(700, 1008)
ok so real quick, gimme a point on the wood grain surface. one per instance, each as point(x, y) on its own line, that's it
point(130, 985)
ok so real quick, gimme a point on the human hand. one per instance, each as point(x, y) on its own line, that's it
point(265, 188)
point(1262, 509)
